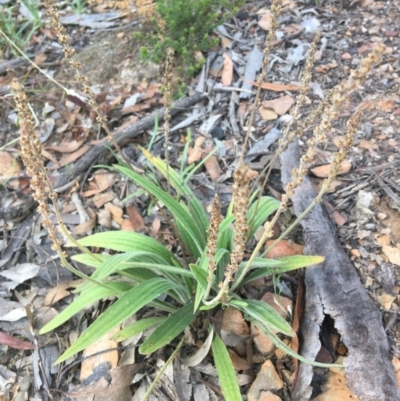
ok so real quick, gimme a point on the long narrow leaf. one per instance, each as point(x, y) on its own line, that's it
point(260, 211)
point(138, 327)
point(86, 298)
point(127, 241)
point(125, 307)
point(169, 329)
point(266, 314)
point(118, 262)
point(190, 228)
point(200, 275)
point(226, 373)
point(90, 260)
point(177, 182)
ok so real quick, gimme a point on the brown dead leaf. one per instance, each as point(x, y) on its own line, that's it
point(135, 218)
point(212, 166)
point(155, 227)
point(100, 199)
point(385, 299)
point(233, 321)
point(136, 108)
point(196, 153)
point(392, 253)
point(386, 105)
point(86, 226)
point(337, 217)
point(73, 156)
point(9, 166)
point(15, 343)
point(227, 71)
point(51, 157)
point(383, 240)
point(40, 58)
point(323, 171)
point(225, 42)
point(126, 225)
point(368, 145)
point(277, 87)
point(238, 362)
point(89, 364)
point(104, 218)
point(283, 248)
point(112, 385)
point(60, 291)
point(116, 212)
point(267, 114)
point(101, 181)
point(265, 21)
point(151, 91)
point(323, 69)
point(280, 105)
point(66, 147)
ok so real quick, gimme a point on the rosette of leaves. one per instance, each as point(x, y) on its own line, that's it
point(143, 273)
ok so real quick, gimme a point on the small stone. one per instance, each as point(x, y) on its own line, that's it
point(346, 56)
point(267, 379)
point(382, 216)
point(262, 341)
point(385, 299)
point(355, 253)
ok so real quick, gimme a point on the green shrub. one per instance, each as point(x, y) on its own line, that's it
point(186, 27)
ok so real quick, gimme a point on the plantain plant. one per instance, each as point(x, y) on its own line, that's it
point(142, 270)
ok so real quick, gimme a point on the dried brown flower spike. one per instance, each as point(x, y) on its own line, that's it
point(31, 154)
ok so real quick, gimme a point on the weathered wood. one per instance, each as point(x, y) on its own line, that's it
point(129, 132)
point(334, 288)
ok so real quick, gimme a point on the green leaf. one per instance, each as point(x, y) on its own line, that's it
point(126, 306)
point(190, 231)
point(158, 267)
point(226, 373)
point(86, 298)
point(90, 260)
point(138, 327)
point(285, 264)
point(265, 314)
point(262, 210)
point(200, 291)
point(126, 241)
point(119, 262)
point(195, 206)
point(175, 324)
point(200, 275)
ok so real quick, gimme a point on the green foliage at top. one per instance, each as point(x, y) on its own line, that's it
point(187, 27)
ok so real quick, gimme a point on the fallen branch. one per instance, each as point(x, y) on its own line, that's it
point(334, 288)
point(128, 132)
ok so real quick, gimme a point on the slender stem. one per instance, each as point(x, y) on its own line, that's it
point(35, 65)
point(163, 369)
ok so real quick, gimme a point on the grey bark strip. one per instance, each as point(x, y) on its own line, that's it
point(334, 288)
point(128, 132)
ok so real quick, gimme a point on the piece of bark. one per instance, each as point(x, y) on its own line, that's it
point(334, 288)
point(129, 132)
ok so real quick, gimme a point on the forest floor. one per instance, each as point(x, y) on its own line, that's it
point(364, 200)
